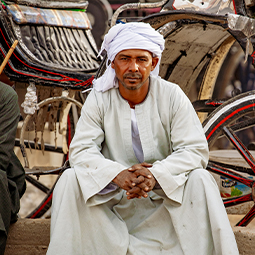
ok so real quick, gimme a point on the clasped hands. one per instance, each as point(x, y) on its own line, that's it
point(136, 180)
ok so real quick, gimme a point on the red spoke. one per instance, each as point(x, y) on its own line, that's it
point(240, 147)
point(247, 218)
point(237, 200)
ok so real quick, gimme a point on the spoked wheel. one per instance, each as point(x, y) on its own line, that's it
point(45, 153)
point(230, 131)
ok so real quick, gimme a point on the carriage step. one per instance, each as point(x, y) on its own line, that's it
point(227, 156)
point(42, 170)
point(32, 236)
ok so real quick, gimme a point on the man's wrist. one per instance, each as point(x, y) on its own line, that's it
point(157, 186)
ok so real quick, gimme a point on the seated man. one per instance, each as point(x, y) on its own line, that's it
point(138, 183)
point(12, 175)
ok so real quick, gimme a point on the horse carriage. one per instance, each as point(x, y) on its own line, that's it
point(56, 59)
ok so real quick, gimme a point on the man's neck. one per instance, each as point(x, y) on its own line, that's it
point(134, 97)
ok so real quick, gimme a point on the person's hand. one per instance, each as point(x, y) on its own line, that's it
point(125, 179)
point(137, 180)
point(144, 182)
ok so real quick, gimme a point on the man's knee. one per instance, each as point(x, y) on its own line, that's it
point(200, 176)
point(66, 179)
point(68, 173)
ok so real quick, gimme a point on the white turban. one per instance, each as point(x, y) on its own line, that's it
point(133, 35)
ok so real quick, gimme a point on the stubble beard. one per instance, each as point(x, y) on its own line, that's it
point(138, 86)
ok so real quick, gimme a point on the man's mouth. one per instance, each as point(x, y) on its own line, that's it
point(133, 77)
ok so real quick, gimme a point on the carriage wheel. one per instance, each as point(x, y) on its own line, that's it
point(35, 148)
point(230, 134)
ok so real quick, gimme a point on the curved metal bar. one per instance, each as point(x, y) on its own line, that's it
point(157, 20)
point(42, 103)
point(135, 6)
point(209, 80)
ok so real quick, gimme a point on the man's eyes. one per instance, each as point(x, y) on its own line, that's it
point(139, 59)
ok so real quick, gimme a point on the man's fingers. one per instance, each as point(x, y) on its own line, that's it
point(146, 164)
point(138, 191)
point(133, 196)
point(134, 190)
point(143, 172)
point(138, 180)
point(135, 168)
point(139, 166)
point(144, 187)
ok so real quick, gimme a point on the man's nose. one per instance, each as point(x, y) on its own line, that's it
point(133, 66)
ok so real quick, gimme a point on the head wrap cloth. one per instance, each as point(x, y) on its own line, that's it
point(133, 35)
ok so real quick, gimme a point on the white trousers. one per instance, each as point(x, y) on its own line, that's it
point(154, 225)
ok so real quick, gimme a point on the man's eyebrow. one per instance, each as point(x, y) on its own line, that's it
point(123, 55)
point(128, 56)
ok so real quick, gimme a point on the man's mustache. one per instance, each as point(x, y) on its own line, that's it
point(133, 75)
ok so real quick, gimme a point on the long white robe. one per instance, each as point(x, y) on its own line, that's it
point(184, 217)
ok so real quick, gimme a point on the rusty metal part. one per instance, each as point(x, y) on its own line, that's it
point(134, 6)
point(160, 19)
point(53, 4)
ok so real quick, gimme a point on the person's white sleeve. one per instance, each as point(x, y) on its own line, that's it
point(93, 170)
point(189, 149)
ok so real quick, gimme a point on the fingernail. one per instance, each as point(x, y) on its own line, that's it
point(149, 176)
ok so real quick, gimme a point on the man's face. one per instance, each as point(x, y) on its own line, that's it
point(133, 67)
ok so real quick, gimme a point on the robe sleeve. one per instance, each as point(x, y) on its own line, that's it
point(188, 145)
point(9, 116)
point(94, 172)
point(12, 174)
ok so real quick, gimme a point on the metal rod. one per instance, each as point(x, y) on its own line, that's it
point(134, 6)
point(240, 147)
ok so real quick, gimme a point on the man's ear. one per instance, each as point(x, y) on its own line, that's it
point(154, 63)
point(112, 64)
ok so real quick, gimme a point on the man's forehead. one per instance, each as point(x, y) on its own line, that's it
point(137, 52)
